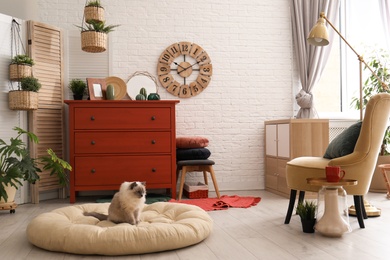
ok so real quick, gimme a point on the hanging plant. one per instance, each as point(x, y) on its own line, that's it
point(94, 12)
point(94, 36)
point(26, 97)
point(21, 64)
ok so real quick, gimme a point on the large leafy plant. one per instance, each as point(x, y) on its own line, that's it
point(16, 163)
point(379, 62)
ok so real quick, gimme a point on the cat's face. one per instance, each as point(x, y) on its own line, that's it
point(138, 188)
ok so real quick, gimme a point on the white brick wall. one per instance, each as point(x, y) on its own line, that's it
point(249, 42)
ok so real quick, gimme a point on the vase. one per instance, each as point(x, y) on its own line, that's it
point(77, 97)
point(308, 225)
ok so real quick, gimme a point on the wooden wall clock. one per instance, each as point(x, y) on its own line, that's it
point(184, 69)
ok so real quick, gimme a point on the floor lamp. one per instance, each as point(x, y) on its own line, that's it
point(318, 36)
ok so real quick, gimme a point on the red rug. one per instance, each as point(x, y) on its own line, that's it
point(224, 202)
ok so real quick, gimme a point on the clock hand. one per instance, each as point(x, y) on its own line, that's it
point(191, 65)
point(179, 65)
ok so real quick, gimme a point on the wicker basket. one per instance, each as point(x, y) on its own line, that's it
point(196, 190)
point(23, 100)
point(94, 13)
point(94, 42)
point(19, 71)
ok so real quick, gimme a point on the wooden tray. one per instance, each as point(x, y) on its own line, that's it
point(323, 182)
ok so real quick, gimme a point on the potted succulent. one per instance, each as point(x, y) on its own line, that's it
point(20, 67)
point(379, 62)
point(78, 88)
point(93, 11)
point(94, 36)
point(16, 164)
point(307, 210)
point(26, 96)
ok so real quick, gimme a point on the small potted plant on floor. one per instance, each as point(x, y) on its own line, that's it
point(16, 164)
point(94, 11)
point(307, 210)
point(26, 96)
point(78, 88)
point(20, 67)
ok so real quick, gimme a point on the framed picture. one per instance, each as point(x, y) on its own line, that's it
point(97, 88)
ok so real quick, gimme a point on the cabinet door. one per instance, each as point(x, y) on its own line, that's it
point(270, 140)
point(283, 140)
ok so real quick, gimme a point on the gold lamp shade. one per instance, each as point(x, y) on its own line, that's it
point(318, 35)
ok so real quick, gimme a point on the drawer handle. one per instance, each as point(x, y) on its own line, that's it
point(93, 170)
point(154, 169)
point(153, 118)
point(92, 118)
point(153, 141)
point(93, 142)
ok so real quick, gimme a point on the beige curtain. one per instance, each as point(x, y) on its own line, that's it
point(384, 7)
point(311, 60)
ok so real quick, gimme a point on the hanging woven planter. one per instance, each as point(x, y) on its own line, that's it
point(19, 71)
point(94, 13)
point(23, 100)
point(94, 42)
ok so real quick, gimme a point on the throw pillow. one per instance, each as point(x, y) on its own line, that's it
point(191, 142)
point(344, 143)
point(192, 154)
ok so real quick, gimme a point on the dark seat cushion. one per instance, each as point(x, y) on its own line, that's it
point(192, 154)
point(194, 162)
point(344, 143)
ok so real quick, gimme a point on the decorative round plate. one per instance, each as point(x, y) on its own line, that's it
point(119, 85)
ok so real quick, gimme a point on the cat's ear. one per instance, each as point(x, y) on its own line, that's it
point(143, 183)
point(133, 185)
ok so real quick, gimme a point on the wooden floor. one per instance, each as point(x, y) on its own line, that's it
point(254, 233)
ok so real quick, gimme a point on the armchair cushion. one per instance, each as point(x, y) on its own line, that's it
point(344, 143)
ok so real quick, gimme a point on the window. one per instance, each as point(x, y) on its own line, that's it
point(360, 24)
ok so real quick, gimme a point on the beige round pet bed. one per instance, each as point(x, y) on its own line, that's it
point(164, 226)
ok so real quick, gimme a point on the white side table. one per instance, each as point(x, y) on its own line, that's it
point(332, 224)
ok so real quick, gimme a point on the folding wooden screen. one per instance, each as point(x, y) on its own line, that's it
point(45, 46)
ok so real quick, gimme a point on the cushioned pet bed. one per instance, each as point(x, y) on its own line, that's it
point(164, 226)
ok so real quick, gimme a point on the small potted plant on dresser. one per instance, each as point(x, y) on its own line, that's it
point(16, 165)
point(26, 96)
point(78, 88)
point(307, 210)
point(20, 67)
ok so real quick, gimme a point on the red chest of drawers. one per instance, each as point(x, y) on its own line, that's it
point(115, 141)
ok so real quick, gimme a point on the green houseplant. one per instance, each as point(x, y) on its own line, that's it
point(379, 61)
point(93, 11)
point(26, 96)
point(16, 164)
point(20, 67)
point(307, 211)
point(78, 88)
point(94, 36)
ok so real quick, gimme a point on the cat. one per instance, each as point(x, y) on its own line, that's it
point(126, 205)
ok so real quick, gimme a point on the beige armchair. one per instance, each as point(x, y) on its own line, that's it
point(358, 165)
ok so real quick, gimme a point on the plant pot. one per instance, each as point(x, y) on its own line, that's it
point(94, 42)
point(19, 71)
point(23, 100)
point(308, 225)
point(78, 97)
point(94, 13)
point(11, 192)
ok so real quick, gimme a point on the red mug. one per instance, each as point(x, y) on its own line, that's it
point(334, 173)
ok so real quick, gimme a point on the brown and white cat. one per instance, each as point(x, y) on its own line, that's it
point(126, 205)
